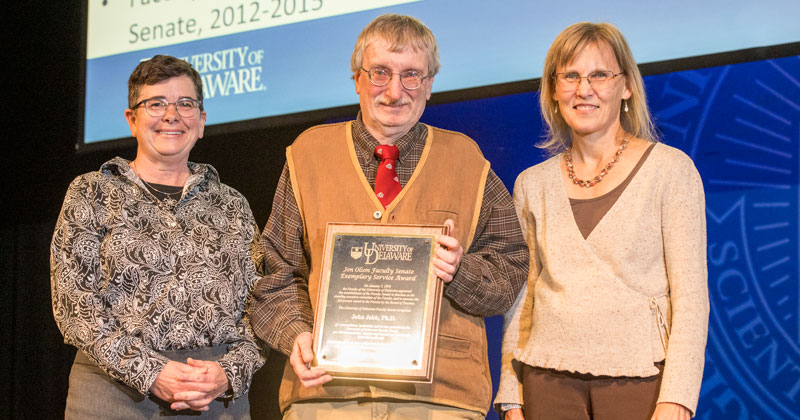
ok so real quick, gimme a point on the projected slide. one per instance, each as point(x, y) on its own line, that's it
point(139, 24)
point(267, 58)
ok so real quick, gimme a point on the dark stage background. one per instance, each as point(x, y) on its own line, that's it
point(737, 115)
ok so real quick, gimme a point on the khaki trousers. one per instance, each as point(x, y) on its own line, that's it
point(377, 410)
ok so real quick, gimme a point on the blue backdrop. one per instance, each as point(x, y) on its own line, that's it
point(741, 125)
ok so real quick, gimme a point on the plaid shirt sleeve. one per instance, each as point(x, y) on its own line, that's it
point(494, 269)
point(281, 305)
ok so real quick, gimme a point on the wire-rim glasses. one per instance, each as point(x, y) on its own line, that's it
point(157, 107)
point(569, 80)
point(381, 76)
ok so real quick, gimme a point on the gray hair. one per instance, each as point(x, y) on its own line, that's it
point(401, 32)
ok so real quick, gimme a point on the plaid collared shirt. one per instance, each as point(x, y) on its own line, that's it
point(491, 273)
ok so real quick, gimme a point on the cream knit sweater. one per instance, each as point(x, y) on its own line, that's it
point(633, 293)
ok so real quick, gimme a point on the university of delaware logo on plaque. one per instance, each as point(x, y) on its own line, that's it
point(374, 252)
point(356, 252)
point(377, 311)
point(741, 125)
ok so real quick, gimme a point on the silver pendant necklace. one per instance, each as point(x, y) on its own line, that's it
point(170, 198)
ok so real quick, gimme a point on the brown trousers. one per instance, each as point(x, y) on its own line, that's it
point(557, 395)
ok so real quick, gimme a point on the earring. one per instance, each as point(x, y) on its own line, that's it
point(626, 105)
point(556, 107)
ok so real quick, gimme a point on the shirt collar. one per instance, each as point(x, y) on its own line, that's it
point(200, 172)
point(365, 142)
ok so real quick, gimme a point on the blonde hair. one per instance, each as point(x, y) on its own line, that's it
point(567, 45)
point(401, 32)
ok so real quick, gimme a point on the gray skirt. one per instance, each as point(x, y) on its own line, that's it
point(95, 395)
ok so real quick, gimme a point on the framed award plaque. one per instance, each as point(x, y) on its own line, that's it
point(377, 312)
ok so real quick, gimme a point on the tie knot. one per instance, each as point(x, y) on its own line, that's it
point(387, 151)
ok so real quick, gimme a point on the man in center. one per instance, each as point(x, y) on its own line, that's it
point(386, 167)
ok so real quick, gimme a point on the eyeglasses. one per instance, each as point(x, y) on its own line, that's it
point(380, 76)
point(598, 79)
point(157, 107)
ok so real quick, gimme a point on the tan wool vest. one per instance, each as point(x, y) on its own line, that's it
point(448, 183)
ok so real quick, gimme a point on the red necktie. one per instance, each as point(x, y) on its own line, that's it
point(387, 184)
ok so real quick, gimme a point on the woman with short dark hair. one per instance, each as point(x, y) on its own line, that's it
point(152, 261)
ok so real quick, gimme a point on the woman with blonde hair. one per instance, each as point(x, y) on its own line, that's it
point(613, 321)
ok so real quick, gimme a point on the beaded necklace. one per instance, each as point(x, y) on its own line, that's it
point(588, 183)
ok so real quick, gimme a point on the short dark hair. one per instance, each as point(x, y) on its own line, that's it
point(158, 69)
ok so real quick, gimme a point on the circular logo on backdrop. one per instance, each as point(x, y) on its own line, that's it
point(741, 126)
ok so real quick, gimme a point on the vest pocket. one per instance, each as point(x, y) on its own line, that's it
point(453, 347)
point(440, 215)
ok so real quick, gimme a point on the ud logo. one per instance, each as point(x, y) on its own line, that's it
point(356, 252)
point(741, 125)
point(371, 253)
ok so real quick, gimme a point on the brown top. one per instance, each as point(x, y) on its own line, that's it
point(589, 211)
point(491, 273)
point(461, 377)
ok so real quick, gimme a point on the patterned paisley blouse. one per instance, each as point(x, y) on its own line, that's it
point(132, 276)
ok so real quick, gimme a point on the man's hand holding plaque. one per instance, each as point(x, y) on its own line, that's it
point(301, 357)
point(448, 256)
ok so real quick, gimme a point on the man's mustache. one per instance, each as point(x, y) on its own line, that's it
point(389, 102)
